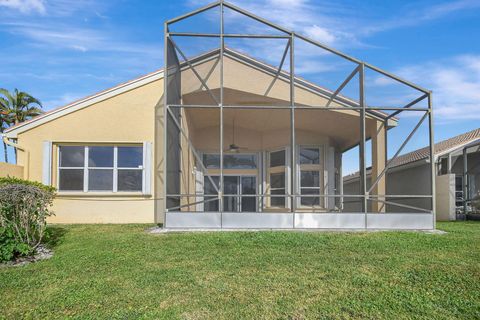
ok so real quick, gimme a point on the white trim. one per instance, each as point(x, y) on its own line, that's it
point(47, 163)
point(286, 172)
point(330, 176)
point(147, 168)
point(115, 170)
point(199, 188)
point(85, 168)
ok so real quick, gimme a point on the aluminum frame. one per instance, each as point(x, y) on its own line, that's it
point(363, 108)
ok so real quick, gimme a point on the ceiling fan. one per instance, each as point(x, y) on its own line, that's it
point(233, 148)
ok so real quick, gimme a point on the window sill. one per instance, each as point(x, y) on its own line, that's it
point(66, 194)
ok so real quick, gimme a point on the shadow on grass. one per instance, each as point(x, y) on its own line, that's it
point(54, 236)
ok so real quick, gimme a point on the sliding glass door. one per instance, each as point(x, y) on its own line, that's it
point(236, 190)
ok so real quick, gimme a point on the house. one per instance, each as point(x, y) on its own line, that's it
point(457, 163)
point(220, 140)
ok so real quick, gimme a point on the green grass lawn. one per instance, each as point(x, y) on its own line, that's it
point(119, 271)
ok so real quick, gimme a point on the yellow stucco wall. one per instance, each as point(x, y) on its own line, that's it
point(10, 170)
point(125, 118)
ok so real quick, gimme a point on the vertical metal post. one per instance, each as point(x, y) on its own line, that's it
point(363, 169)
point(432, 160)
point(293, 167)
point(385, 127)
point(165, 117)
point(222, 47)
point(465, 181)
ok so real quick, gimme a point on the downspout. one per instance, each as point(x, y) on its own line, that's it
point(19, 147)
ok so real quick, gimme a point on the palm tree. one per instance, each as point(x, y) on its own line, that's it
point(4, 123)
point(16, 107)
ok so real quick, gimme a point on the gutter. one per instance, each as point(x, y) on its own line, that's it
point(19, 147)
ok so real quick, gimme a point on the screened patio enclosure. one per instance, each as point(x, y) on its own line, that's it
point(250, 143)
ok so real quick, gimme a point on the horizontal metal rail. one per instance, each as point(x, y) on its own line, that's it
point(302, 107)
point(302, 195)
point(227, 35)
point(397, 78)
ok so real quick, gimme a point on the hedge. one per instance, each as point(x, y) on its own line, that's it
point(24, 208)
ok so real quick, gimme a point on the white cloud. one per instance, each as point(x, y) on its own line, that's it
point(78, 38)
point(25, 6)
point(320, 34)
point(455, 83)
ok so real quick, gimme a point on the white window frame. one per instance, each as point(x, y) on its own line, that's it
point(268, 174)
point(86, 168)
point(320, 168)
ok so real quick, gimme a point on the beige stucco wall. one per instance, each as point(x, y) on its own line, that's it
point(125, 118)
point(10, 170)
point(445, 197)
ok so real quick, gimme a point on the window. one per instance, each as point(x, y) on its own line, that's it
point(277, 158)
point(277, 187)
point(101, 168)
point(309, 156)
point(458, 190)
point(311, 172)
point(277, 177)
point(71, 163)
point(310, 185)
point(230, 161)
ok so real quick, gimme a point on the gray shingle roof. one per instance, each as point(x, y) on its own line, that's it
point(424, 153)
point(440, 148)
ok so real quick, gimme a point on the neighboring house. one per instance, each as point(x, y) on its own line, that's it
point(452, 182)
point(227, 141)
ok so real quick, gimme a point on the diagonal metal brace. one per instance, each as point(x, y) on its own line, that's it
point(414, 102)
point(194, 71)
point(210, 72)
point(401, 205)
point(214, 198)
point(192, 147)
point(344, 83)
point(279, 69)
point(389, 163)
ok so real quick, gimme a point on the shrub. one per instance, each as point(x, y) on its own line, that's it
point(24, 208)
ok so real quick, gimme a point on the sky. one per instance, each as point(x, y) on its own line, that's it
point(62, 50)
